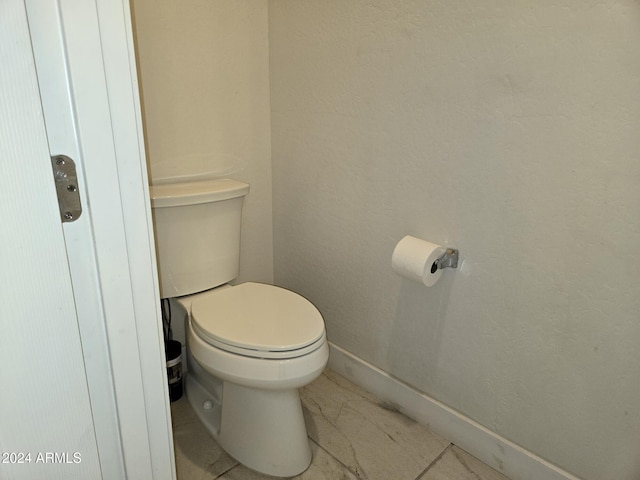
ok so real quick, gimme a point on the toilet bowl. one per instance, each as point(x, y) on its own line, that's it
point(250, 347)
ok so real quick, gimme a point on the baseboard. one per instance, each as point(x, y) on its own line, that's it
point(508, 458)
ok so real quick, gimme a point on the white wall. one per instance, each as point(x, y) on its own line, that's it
point(510, 130)
point(204, 69)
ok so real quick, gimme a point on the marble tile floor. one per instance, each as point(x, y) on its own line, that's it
point(353, 436)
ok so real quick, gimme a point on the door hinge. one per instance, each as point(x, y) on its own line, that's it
point(66, 179)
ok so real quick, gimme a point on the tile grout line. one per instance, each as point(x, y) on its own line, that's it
point(433, 463)
point(227, 470)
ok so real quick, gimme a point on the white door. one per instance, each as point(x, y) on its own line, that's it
point(46, 424)
point(82, 380)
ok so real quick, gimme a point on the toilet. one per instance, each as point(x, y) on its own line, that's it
point(249, 346)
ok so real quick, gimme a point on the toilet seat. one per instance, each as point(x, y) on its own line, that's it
point(258, 320)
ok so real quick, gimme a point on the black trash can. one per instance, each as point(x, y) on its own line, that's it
point(173, 353)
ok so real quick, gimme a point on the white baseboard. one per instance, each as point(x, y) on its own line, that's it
point(508, 458)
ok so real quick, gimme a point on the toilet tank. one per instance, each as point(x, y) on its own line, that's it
point(197, 230)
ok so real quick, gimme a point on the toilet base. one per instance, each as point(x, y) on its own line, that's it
point(262, 429)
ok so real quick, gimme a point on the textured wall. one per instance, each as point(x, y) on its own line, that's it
point(204, 68)
point(510, 130)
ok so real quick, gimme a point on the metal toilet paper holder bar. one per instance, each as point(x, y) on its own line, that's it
point(449, 259)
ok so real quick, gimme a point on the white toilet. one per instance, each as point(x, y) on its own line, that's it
point(249, 346)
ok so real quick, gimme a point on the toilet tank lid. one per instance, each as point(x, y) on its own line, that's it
point(192, 193)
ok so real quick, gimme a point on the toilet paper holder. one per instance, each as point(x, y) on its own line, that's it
point(449, 259)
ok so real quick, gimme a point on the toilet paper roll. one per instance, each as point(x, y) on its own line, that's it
point(414, 259)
